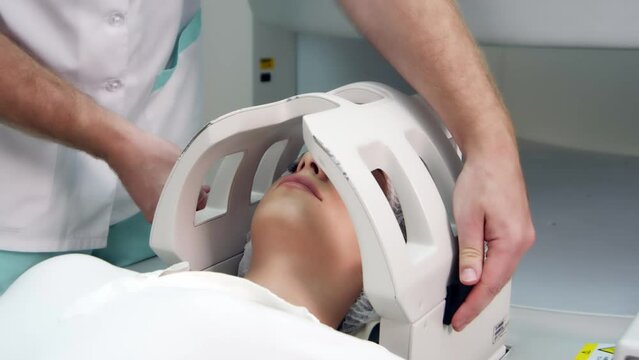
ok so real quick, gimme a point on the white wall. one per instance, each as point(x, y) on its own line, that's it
point(233, 45)
point(579, 98)
point(326, 62)
point(280, 45)
point(227, 34)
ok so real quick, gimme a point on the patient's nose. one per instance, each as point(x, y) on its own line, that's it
point(307, 162)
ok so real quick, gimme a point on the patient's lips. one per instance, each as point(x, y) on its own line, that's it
point(301, 182)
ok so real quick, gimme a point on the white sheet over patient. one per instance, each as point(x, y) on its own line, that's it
point(80, 307)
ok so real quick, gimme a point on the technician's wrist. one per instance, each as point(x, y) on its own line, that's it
point(117, 143)
point(495, 159)
point(489, 139)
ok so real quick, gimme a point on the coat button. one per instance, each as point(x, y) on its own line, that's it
point(113, 85)
point(116, 18)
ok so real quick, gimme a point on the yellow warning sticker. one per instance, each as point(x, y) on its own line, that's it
point(267, 63)
point(585, 352)
point(594, 351)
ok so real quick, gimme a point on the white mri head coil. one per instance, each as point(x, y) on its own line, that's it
point(349, 131)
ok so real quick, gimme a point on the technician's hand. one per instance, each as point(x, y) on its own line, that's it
point(143, 165)
point(490, 203)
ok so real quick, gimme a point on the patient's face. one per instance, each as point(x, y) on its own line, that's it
point(304, 243)
point(303, 218)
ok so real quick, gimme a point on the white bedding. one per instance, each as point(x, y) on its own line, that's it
point(80, 307)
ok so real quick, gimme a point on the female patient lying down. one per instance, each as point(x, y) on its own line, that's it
point(304, 246)
point(305, 268)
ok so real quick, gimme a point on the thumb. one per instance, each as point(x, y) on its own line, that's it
point(470, 229)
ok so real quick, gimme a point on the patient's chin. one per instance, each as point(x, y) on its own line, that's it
point(283, 214)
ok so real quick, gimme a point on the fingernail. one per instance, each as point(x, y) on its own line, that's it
point(461, 325)
point(468, 275)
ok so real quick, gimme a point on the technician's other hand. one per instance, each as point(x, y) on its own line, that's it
point(203, 197)
point(490, 203)
point(143, 166)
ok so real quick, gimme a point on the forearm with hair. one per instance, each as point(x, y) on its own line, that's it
point(429, 44)
point(35, 100)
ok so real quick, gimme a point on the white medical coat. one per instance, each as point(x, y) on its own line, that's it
point(53, 198)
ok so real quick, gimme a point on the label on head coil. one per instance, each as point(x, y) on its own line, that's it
point(594, 351)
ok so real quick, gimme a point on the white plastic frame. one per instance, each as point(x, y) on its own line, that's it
point(350, 132)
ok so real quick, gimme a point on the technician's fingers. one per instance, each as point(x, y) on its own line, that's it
point(503, 255)
point(470, 231)
point(498, 268)
point(203, 197)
